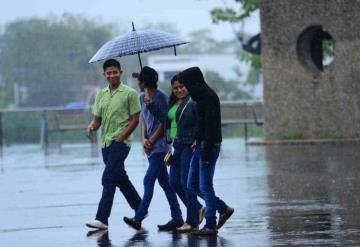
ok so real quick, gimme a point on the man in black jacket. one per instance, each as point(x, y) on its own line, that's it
point(208, 142)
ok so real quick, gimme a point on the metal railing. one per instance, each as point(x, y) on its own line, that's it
point(61, 119)
point(53, 120)
point(242, 112)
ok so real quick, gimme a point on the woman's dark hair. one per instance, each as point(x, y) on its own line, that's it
point(173, 98)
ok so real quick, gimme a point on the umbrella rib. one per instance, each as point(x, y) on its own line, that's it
point(136, 42)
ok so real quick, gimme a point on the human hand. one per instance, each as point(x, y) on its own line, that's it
point(90, 131)
point(147, 98)
point(148, 145)
point(147, 101)
point(119, 139)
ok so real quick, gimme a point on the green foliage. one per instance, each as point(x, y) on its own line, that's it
point(21, 127)
point(292, 136)
point(226, 89)
point(202, 42)
point(330, 136)
point(328, 50)
point(2, 95)
point(238, 130)
point(230, 15)
point(49, 57)
point(254, 60)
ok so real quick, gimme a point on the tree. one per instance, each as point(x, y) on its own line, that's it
point(47, 59)
point(226, 89)
point(202, 42)
point(247, 7)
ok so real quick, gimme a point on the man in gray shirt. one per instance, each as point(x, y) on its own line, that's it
point(155, 147)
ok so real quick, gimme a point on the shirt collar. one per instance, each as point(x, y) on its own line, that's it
point(120, 88)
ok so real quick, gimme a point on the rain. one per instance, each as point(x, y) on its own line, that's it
point(289, 174)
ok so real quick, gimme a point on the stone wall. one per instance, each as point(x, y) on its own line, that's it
point(302, 99)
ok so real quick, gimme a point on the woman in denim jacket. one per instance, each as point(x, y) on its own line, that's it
point(180, 121)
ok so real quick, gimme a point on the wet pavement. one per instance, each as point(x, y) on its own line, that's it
point(283, 195)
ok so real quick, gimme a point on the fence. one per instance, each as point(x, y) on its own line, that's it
point(42, 124)
point(52, 123)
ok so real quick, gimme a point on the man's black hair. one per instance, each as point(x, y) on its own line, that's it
point(111, 63)
point(149, 77)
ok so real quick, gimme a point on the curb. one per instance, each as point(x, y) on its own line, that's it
point(302, 142)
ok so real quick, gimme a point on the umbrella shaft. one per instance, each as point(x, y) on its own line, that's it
point(140, 60)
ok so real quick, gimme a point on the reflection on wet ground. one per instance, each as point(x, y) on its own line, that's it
point(140, 239)
point(294, 195)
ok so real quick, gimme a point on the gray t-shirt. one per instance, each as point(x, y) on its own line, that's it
point(160, 99)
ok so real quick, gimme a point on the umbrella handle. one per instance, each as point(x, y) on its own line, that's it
point(140, 60)
point(174, 50)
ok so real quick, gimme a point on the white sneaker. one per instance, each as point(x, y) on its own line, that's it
point(97, 224)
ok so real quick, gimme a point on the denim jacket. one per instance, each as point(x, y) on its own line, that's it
point(186, 127)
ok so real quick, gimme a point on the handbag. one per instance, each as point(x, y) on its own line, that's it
point(169, 156)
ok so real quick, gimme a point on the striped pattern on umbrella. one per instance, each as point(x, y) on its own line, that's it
point(135, 42)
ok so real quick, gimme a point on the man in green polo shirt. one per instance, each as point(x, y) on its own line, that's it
point(117, 109)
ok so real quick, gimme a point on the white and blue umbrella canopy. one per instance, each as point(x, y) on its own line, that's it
point(136, 42)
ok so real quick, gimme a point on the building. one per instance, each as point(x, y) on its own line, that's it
point(223, 64)
point(310, 58)
point(226, 65)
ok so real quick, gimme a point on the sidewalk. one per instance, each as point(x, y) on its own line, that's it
point(298, 195)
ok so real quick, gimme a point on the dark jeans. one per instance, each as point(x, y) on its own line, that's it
point(200, 182)
point(114, 175)
point(179, 171)
point(157, 170)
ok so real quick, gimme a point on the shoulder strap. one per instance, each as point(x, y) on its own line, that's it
point(182, 111)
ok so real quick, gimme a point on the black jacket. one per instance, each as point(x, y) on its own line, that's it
point(208, 105)
point(186, 131)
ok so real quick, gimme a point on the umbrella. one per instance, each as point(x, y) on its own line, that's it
point(136, 42)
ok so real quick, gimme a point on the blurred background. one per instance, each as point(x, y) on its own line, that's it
point(45, 47)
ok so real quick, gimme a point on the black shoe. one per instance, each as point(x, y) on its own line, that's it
point(171, 225)
point(205, 232)
point(224, 217)
point(136, 224)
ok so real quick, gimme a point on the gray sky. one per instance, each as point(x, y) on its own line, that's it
point(186, 15)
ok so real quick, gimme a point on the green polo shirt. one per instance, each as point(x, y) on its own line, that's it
point(115, 111)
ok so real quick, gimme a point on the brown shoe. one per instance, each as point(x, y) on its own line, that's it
point(224, 217)
point(201, 214)
point(187, 228)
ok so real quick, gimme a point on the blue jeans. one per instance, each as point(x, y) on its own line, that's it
point(179, 171)
point(200, 182)
point(157, 170)
point(114, 175)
